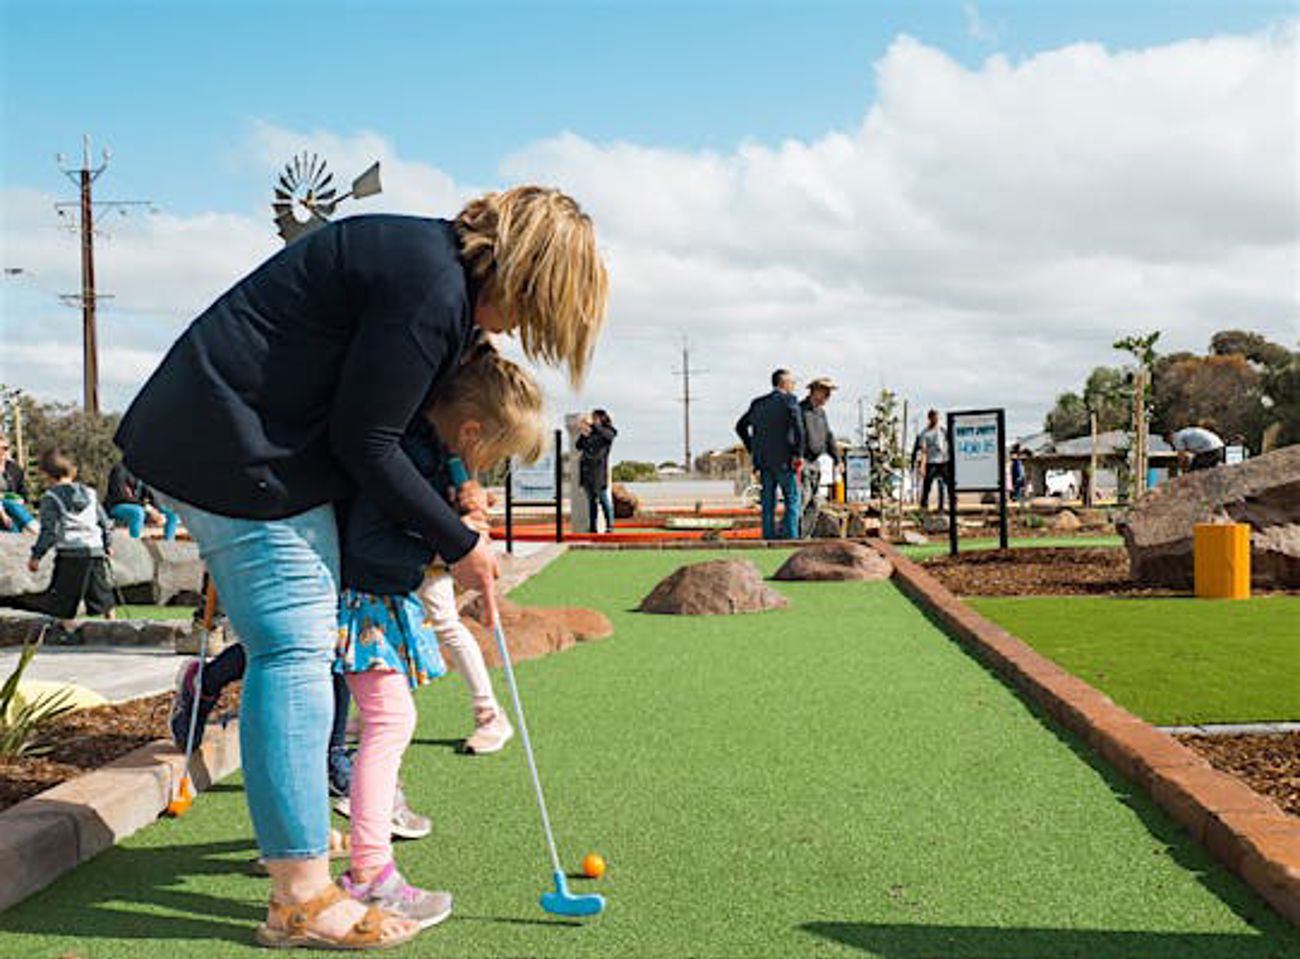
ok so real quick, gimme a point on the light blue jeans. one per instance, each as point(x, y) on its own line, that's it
point(278, 582)
point(132, 516)
point(788, 482)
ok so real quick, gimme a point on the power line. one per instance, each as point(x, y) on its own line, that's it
point(84, 210)
point(685, 373)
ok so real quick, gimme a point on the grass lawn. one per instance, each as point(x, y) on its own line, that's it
point(939, 543)
point(833, 779)
point(133, 611)
point(1172, 661)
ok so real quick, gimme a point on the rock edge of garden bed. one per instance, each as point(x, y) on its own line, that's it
point(1245, 831)
point(55, 831)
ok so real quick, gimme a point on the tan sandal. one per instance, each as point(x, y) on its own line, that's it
point(292, 919)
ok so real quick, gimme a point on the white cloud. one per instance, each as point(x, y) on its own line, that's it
point(979, 238)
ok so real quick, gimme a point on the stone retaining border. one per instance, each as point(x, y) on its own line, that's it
point(1245, 831)
point(52, 833)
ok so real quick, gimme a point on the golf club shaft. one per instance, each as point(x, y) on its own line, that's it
point(205, 625)
point(528, 746)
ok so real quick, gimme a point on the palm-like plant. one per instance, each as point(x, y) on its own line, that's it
point(21, 726)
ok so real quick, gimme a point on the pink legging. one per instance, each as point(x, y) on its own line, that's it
point(387, 710)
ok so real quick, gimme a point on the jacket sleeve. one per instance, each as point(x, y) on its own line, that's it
point(832, 445)
point(382, 385)
point(51, 518)
point(800, 434)
point(106, 527)
point(745, 428)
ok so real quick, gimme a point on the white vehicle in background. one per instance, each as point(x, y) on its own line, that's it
point(1063, 484)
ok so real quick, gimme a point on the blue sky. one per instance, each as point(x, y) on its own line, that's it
point(963, 201)
point(173, 86)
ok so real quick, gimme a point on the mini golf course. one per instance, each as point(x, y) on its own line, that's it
point(1172, 661)
point(836, 778)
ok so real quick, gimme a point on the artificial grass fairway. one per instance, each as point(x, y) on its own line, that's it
point(833, 779)
point(938, 545)
point(1173, 661)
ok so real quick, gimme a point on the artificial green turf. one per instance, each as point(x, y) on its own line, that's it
point(938, 544)
point(133, 611)
point(1172, 661)
point(833, 779)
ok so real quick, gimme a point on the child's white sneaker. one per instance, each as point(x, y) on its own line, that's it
point(491, 731)
point(390, 891)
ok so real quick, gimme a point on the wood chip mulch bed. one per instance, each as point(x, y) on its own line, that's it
point(1040, 571)
point(90, 738)
point(1269, 764)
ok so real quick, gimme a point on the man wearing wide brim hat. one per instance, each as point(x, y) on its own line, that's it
point(818, 440)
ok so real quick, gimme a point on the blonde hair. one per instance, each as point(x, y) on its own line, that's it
point(504, 400)
point(534, 251)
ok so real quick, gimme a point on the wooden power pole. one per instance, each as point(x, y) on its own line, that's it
point(88, 298)
point(685, 373)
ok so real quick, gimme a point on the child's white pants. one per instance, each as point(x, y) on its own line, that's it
point(438, 597)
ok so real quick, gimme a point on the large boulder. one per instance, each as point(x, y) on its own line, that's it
point(178, 572)
point(625, 501)
point(533, 631)
point(1264, 492)
point(720, 586)
point(835, 561)
point(1066, 522)
point(132, 565)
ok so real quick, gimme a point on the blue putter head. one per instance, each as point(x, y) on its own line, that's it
point(561, 902)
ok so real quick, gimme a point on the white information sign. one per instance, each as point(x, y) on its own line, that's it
point(974, 444)
point(857, 476)
point(1234, 454)
point(533, 481)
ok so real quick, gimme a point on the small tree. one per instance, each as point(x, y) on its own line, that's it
point(883, 442)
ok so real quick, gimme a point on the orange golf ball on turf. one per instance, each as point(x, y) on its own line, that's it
point(593, 865)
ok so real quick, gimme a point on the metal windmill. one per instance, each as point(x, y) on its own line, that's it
point(305, 196)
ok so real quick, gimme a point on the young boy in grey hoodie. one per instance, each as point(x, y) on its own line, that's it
point(76, 526)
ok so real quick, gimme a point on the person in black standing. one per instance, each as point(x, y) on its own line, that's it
point(818, 441)
point(772, 431)
point(595, 436)
point(291, 393)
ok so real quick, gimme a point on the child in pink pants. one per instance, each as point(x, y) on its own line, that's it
point(387, 643)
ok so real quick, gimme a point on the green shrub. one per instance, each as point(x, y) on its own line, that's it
point(21, 727)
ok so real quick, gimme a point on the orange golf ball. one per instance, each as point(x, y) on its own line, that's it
point(593, 865)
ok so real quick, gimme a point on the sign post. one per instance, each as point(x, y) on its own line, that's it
point(536, 484)
point(977, 464)
point(857, 475)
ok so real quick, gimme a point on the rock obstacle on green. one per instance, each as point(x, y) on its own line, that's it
point(716, 588)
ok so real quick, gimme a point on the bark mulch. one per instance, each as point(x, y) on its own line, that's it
point(1269, 764)
point(90, 738)
point(1040, 571)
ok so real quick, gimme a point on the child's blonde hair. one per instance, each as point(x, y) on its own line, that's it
point(534, 250)
point(504, 400)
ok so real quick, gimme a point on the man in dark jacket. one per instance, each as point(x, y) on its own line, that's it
point(772, 430)
point(818, 441)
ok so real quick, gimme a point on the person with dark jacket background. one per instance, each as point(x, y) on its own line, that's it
point(289, 393)
point(773, 432)
point(818, 441)
point(132, 504)
point(595, 437)
point(15, 517)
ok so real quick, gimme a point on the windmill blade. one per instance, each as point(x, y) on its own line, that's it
point(311, 169)
point(326, 180)
point(283, 195)
point(285, 184)
point(325, 195)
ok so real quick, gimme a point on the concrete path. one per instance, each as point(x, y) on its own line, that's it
point(116, 673)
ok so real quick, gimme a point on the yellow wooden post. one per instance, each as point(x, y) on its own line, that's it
point(1222, 560)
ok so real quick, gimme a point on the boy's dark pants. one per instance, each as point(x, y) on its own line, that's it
point(78, 577)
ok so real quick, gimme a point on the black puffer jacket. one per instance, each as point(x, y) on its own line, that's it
point(593, 471)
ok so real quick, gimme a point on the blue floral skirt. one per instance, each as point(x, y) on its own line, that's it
point(386, 632)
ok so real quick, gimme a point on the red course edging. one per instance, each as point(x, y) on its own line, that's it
point(1247, 832)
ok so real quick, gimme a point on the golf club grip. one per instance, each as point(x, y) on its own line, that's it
point(528, 745)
